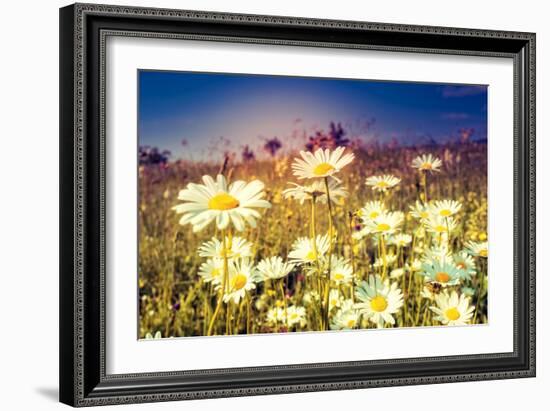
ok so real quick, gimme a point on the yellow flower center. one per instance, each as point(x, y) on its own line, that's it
point(338, 276)
point(293, 316)
point(374, 214)
point(461, 265)
point(452, 314)
point(424, 214)
point(484, 252)
point(382, 184)
point(351, 323)
point(445, 213)
point(311, 256)
point(239, 281)
point(440, 228)
point(223, 201)
point(442, 277)
point(322, 169)
point(383, 227)
point(216, 272)
point(378, 303)
point(426, 166)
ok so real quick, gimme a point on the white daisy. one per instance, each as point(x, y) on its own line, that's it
point(385, 223)
point(334, 299)
point(419, 210)
point(441, 272)
point(317, 191)
point(237, 247)
point(275, 315)
point(347, 318)
point(465, 264)
point(341, 271)
point(380, 300)
point(452, 309)
point(427, 162)
point(401, 240)
point(150, 336)
point(296, 316)
point(212, 271)
point(322, 163)
point(303, 250)
point(242, 278)
point(216, 201)
point(397, 273)
point(371, 210)
point(382, 183)
point(391, 258)
point(445, 208)
point(478, 249)
point(274, 268)
point(440, 225)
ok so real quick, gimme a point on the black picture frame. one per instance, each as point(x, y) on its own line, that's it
point(83, 30)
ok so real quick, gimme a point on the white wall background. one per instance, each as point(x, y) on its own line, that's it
point(29, 203)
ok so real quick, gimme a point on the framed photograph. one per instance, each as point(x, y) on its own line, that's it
point(261, 204)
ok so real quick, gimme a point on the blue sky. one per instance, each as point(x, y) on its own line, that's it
point(245, 109)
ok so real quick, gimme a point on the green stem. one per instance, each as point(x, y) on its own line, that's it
point(224, 285)
point(330, 233)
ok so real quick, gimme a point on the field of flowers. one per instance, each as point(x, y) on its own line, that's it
point(333, 239)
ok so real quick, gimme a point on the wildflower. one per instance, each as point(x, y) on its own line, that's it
point(401, 240)
point(465, 264)
point(452, 309)
point(212, 270)
point(317, 191)
point(242, 278)
point(379, 300)
point(237, 247)
point(274, 268)
point(441, 272)
point(216, 201)
point(419, 210)
point(426, 162)
point(341, 271)
point(371, 210)
point(478, 249)
point(322, 163)
point(157, 336)
point(296, 316)
point(346, 318)
point(440, 225)
point(303, 250)
point(334, 299)
point(382, 183)
point(445, 208)
point(386, 223)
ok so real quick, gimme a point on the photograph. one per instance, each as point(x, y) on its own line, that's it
point(282, 204)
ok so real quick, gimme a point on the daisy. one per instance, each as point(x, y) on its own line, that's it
point(419, 210)
point(445, 208)
point(386, 223)
point(379, 300)
point(275, 315)
point(317, 191)
point(452, 309)
point(242, 278)
point(397, 273)
point(346, 318)
point(341, 271)
point(401, 240)
point(371, 210)
point(212, 271)
point(322, 163)
point(334, 299)
point(296, 316)
point(216, 201)
point(427, 162)
point(478, 249)
point(382, 183)
point(440, 225)
point(438, 253)
point(274, 268)
point(441, 272)
point(150, 336)
point(465, 264)
point(303, 251)
point(391, 258)
point(237, 247)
